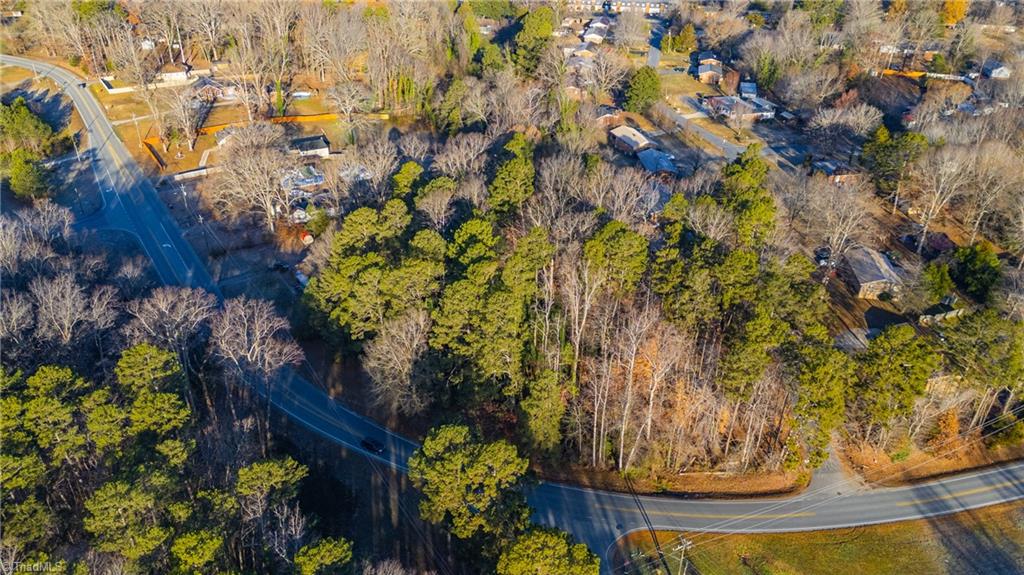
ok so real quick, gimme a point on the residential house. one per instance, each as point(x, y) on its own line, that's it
point(732, 107)
point(748, 89)
point(763, 109)
point(174, 72)
point(709, 73)
point(579, 65)
point(595, 35)
point(708, 57)
point(619, 6)
point(870, 273)
point(311, 146)
point(487, 26)
point(837, 172)
point(657, 162)
point(210, 90)
point(630, 139)
point(600, 22)
point(995, 70)
point(584, 50)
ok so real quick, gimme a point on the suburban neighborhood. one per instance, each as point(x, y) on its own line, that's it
point(512, 286)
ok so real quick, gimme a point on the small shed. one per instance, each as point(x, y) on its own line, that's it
point(311, 146)
point(748, 89)
point(630, 139)
point(870, 274)
point(608, 116)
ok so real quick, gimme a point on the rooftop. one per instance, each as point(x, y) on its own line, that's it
point(309, 143)
point(631, 137)
point(656, 161)
point(870, 266)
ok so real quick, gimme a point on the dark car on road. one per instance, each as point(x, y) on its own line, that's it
point(372, 445)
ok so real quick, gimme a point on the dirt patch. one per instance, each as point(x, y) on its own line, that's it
point(877, 467)
point(714, 484)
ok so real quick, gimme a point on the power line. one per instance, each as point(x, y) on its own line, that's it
point(816, 504)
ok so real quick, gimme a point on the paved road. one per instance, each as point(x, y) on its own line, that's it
point(654, 45)
point(778, 145)
point(130, 202)
point(597, 518)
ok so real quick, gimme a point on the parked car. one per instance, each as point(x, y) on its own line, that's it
point(372, 445)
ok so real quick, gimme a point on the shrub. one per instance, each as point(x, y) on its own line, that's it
point(1011, 432)
point(976, 270)
point(644, 90)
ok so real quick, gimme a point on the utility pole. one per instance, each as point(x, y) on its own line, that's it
point(684, 566)
point(74, 141)
point(138, 134)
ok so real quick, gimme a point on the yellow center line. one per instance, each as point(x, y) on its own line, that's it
point(656, 512)
point(963, 493)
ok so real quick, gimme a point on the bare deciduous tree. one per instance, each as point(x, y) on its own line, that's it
point(134, 67)
point(186, 111)
point(349, 97)
point(605, 74)
point(171, 317)
point(390, 359)
point(807, 89)
point(997, 171)
point(710, 220)
point(462, 154)
point(254, 164)
point(630, 29)
point(631, 196)
point(60, 308)
point(836, 214)
point(387, 567)
point(940, 177)
point(415, 147)
point(1015, 232)
point(380, 158)
point(17, 319)
point(437, 206)
point(252, 340)
point(207, 19)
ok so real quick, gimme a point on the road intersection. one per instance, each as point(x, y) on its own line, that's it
point(595, 517)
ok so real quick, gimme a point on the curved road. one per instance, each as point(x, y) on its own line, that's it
point(597, 518)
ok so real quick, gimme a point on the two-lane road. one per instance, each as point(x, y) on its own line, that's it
point(131, 202)
point(595, 517)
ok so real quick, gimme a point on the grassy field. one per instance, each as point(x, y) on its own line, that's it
point(986, 541)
